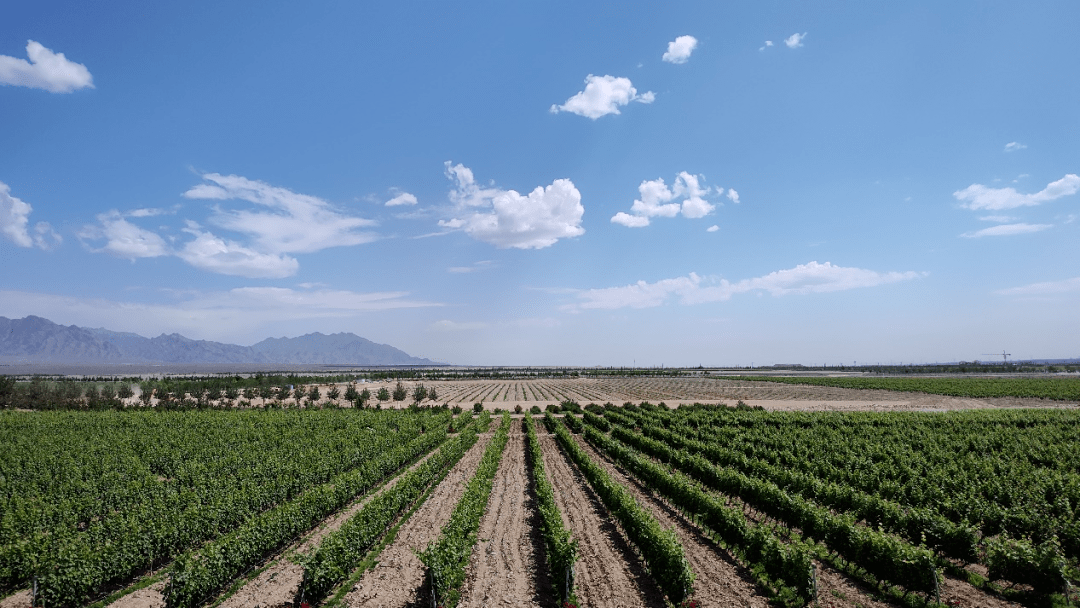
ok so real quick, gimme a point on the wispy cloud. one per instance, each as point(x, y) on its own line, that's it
point(795, 40)
point(1014, 146)
point(401, 198)
point(15, 221)
point(448, 325)
point(511, 220)
point(215, 254)
point(713, 228)
point(46, 70)
point(475, 267)
point(294, 223)
point(767, 44)
point(244, 313)
point(978, 196)
point(122, 239)
point(678, 50)
point(1007, 230)
point(1048, 288)
point(694, 289)
point(603, 95)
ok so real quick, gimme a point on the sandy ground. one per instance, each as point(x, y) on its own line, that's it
point(396, 580)
point(148, 597)
point(720, 581)
point(607, 573)
point(19, 599)
point(505, 567)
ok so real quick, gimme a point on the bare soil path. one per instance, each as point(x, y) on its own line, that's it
point(395, 581)
point(506, 568)
point(720, 581)
point(607, 573)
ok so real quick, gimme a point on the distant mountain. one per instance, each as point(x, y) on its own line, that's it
point(37, 340)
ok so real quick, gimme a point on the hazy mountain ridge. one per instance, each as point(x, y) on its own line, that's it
point(34, 339)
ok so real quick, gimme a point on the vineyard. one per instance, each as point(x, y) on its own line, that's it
point(633, 505)
point(1057, 389)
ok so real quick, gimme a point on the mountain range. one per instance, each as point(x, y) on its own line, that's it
point(37, 340)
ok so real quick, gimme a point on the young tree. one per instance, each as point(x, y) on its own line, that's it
point(313, 394)
point(382, 395)
point(125, 392)
point(364, 397)
point(400, 392)
point(298, 393)
point(333, 393)
point(431, 394)
point(350, 394)
point(419, 393)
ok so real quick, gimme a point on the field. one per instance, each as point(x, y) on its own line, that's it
point(833, 495)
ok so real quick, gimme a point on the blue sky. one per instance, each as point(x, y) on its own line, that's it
point(551, 183)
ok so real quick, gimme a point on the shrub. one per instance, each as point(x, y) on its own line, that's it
point(534, 409)
point(553, 408)
point(517, 409)
point(478, 407)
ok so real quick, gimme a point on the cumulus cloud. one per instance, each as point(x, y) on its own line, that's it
point(403, 198)
point(295, 223)
point(978, 196)
point(659, 200)
point(15, 220)
point(602, 96)
point(630, 221)
point(1013, 146)
point(712, 228)
point(795, 40)
point(122, 238)
point(1048, 288)
point(45, 70)
point(694, 289)
point(678, 50)
point(1007, 230)
point(505, 218)
point(215, 254)
point(733, 196)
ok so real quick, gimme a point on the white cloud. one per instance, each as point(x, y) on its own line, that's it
point(602, 96)
point(733, 196)
point(767, 44)
point(296, 223)
point(448, 325)
point(999, 219)
point(403, 198)
point(1044, 289)
point(795, 40)
point(242, 315)
point(1013, 146)
point(630, 221)
point(15, 219)
point(678, 50)
point(712, 228)
point(476, 267)
point(978, 196)
point(693, 289)
point(123, 239)
point(45, 70)
point(534, 221)
point(657, 200)
point(1007, 230)
point(212, 253)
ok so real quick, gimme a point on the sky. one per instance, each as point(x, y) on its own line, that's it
point(556, 183)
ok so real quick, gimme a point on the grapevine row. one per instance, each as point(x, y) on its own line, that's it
point(342, 550)
point(196, 575)
point(659, 547)
point(447, 557)
point(561, 549)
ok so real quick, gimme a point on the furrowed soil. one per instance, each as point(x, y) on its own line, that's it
point(276, 587)
point(396, 580)
point(607, 573)
point(720, 581)
point(506, 568)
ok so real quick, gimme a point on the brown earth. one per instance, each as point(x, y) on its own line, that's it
point(720, 581)
point(607, 573)
point(19, 599)
point(506, 567)
point(147, 597)
point(396, 580)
